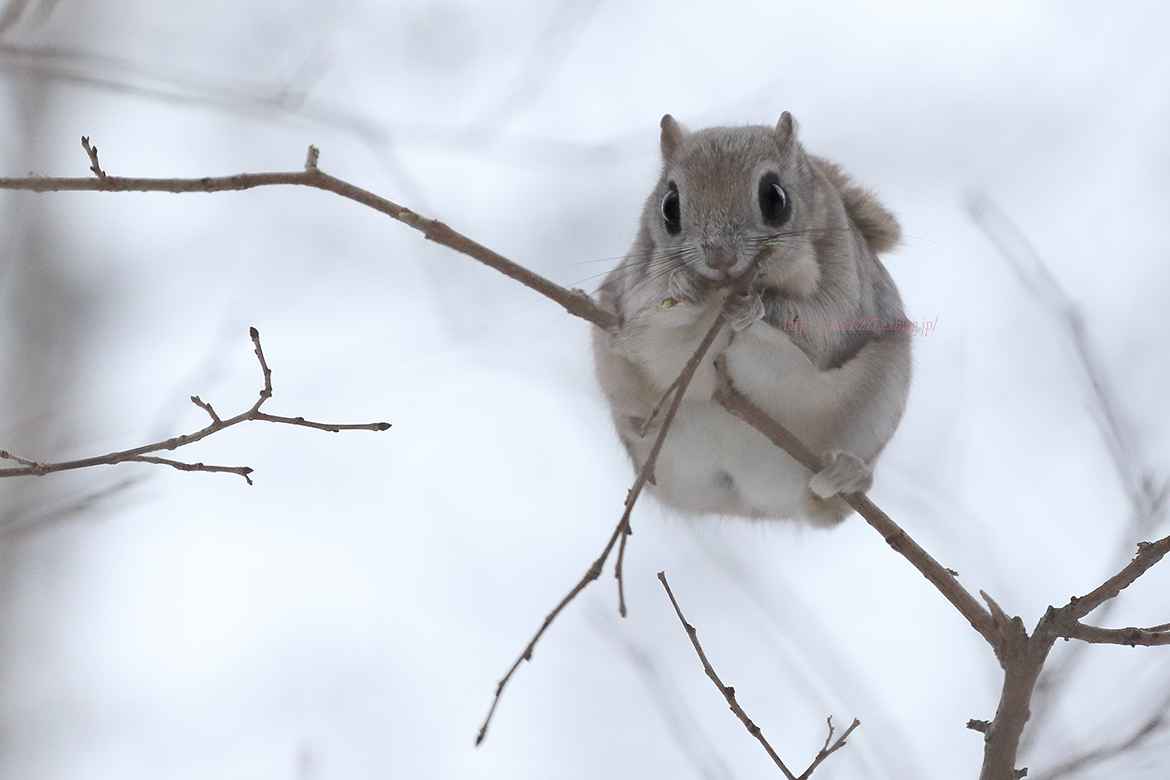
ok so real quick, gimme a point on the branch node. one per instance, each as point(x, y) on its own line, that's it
point(979, 725)
point(311, 158)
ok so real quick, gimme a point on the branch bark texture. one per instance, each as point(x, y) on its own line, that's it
point(575, 302)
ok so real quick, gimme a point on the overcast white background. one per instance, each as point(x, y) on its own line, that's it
point(349, 615)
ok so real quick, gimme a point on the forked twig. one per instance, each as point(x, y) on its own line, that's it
point(623, 527)
point(828, 749)
point(142, 454)
point(729, 694)
point(727, 691)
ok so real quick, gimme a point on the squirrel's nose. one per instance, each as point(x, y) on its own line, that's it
point(720, 259)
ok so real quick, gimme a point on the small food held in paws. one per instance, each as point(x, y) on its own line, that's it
point(725, 194)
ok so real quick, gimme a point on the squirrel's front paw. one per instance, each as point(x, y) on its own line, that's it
point(743, 309)
point(843, 473)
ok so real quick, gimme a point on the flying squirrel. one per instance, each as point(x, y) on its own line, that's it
point(811, 342)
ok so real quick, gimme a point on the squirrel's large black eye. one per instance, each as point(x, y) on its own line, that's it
point(671, 218)
point(775, 207)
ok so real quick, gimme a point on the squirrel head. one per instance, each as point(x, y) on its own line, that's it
point(725, 193)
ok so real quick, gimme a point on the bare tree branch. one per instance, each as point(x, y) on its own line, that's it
point(593, 573)
point(1119, 636)
point(1148, 554)
point(942, 578)
point(1146, 490)
point(142, 454)
point(576, 302)
point(729, 694)
point(645, 474)
point(727, 691)
point(650, 418)
point(1022, 656)
point(828, 749)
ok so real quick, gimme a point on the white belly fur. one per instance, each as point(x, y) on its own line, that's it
point(712, 462)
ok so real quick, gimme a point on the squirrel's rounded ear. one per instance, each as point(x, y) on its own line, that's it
point(785, 130)
point(672, 136)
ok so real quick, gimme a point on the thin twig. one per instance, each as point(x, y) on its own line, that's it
point(729, 694)
point(621, 531)
point(657, 408)
point(680, 384)
point(617, 569)
point(575, 302)
point(593, 573)
point(1148, 554)
point(94, 165)
point(623, 527)
point(206, 407)
point(1119, 636)
point(243, 471)
point(727, 691)
point(142, 454)
point(828, 750)
point(645, 474)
